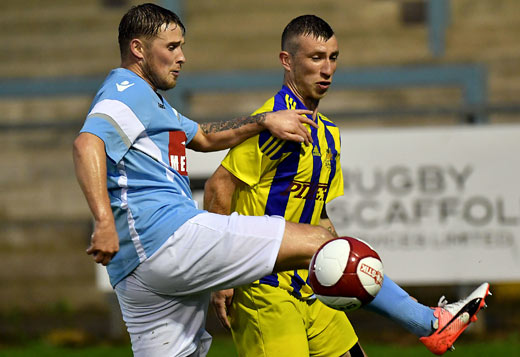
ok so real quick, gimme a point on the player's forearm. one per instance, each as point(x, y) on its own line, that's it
point(284, 124)
point(215, 200)
point(90, 167)
point(218, 191)
point(225, 134)
point(216, 205)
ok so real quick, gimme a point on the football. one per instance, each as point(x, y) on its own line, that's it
point(346, 273)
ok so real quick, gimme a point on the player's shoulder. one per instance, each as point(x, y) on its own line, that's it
point(125, 95)
point(268, 106)
point(127, 87)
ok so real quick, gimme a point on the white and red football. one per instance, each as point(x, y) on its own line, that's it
point(346, 273)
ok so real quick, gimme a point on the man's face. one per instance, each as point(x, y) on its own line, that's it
point(163, 57)
point(312, 66)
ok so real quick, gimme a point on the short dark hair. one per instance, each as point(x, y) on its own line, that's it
point(305, 25)
point(144, 20)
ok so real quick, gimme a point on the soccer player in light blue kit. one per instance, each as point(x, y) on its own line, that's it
point(163, 254)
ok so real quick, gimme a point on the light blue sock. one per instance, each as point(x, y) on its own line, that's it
point(395, 303)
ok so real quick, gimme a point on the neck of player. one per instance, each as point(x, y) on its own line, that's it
point(310, 103)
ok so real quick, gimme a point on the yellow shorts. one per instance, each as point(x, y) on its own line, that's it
point(268, 321)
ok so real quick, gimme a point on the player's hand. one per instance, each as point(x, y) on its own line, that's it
point(288, 125)
point(221, 301)
point(104, 243)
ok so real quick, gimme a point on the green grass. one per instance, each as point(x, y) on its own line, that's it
point(492, 348)
point(42, 349)
point(223, 347)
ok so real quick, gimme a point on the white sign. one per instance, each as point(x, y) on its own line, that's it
point(440, 205)
point(203, 164)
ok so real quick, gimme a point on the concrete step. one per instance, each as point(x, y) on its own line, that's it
point(67, 110)
point(39, 180)
point(44, 264)
point(46, 294)
point(67, 267)
point(39, 237)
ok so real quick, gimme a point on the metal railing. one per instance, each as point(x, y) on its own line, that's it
point(470, 78)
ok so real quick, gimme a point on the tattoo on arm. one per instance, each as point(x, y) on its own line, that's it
point(215, 127)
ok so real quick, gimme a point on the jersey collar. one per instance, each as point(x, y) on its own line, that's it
point(299, 105)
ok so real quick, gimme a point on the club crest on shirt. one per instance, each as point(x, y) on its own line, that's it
point(177, 152)
point(328, 158)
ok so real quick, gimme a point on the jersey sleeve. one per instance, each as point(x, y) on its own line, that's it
point(116, 124)
point(189, 126)
point(336, 186)
point(244, 161)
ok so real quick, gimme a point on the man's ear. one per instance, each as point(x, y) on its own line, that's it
point(137, 48)
point(286, 60)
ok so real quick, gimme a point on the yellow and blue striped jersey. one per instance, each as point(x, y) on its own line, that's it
point(288, 179)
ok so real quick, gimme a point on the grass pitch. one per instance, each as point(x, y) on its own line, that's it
point(223, 347)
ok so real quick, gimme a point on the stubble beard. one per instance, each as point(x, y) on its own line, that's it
point(157, 82)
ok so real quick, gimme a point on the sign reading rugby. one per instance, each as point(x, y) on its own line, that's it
point(440, 205)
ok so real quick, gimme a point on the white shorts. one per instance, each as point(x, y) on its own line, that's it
point(164, 301)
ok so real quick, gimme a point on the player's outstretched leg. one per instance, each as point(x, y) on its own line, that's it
point(454, 318)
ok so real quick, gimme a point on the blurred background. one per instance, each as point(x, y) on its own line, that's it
point(404, 64)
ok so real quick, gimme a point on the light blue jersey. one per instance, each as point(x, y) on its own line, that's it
point(145, 142)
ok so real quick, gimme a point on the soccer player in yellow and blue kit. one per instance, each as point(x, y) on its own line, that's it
point(277, 315)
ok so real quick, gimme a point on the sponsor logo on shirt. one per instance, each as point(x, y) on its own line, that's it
point(307, 190)
point(177, 152)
